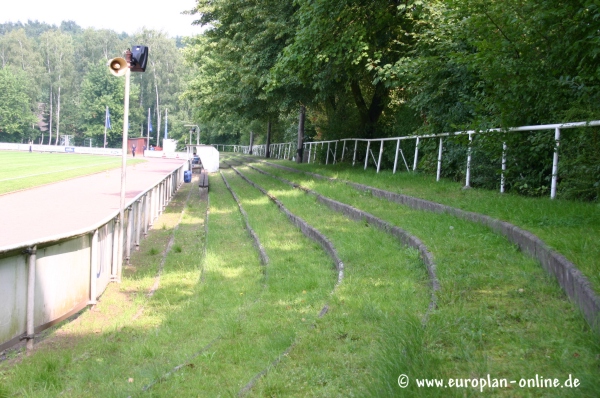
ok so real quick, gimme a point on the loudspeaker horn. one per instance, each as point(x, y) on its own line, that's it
point(118, 66)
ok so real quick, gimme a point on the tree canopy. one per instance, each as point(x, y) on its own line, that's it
point(63, 75)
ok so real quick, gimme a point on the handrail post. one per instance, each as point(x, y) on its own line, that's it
point(380, 153)
point(335, 152)
point(555, 164)
point(93, 266)
point(396, 156)
point(502, 180)
point(32, 254)
point(416, 154)
point(439, 167)
point(468, 176)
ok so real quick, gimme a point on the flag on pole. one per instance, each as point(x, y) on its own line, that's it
point(107, 119)
point(166, 119)
point(149, 130)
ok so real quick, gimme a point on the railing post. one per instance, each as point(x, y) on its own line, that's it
point(355, 147)
point(468, 177)
point(146, 222)
point(503, 167)
point(130, 215)
point(555, 164)
point(335, 152)
point(115, 253)
point(367, 155)
point(161, 196)
point(93, 266)
point(439, 165)
point(138, 219)
point(396, 156)
point(32, 254)
point(380, 153)
point(416, 154)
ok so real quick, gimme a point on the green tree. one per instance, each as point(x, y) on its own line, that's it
point(57, 51)
point(16, 116)
point(100, 90)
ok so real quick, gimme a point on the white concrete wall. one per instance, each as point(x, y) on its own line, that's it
point(209, 156)
point(66, 278)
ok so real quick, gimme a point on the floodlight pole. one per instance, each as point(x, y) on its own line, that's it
point(124, 165)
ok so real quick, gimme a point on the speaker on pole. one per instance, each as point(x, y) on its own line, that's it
point(117, 66)
point(139, 57)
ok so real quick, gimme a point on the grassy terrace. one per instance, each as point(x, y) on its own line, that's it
point(22, 170)
point(218, 321)
point(336, 357)
point(498, 312)
point(572, 228)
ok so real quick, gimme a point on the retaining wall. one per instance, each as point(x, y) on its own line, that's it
point(64, 274)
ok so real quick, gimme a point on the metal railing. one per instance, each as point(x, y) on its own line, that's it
point(47, 280)
point(310, 148)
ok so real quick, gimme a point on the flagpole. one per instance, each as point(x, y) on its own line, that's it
point(105, 119)
point(148, 139)
point(157, 125)
point(166, 120)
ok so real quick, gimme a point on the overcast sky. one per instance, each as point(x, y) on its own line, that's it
point(119, 15)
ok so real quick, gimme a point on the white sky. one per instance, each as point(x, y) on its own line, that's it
point(119, 15)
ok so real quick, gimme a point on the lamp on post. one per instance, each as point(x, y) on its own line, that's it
point(134, 61)
point(195, 129)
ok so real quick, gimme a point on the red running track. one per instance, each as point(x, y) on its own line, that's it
point(76, 204)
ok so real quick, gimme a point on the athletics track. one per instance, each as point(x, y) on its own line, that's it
point(71, 205)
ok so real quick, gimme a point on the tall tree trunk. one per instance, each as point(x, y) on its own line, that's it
point(268, 152)
point(300, 151)
point(157, 115)
point(50, 121)
point(58, 116)
point(251, 142)
point(369, 115)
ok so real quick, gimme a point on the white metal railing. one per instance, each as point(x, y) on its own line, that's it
point(278, 151)
point(46, 280)
point(313, 146)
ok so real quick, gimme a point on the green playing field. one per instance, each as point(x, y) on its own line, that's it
point(22, 170)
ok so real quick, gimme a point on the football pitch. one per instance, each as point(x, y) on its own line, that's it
point(22, 170)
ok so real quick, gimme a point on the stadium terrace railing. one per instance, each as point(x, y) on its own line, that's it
point(310, 148)
point(43, 282)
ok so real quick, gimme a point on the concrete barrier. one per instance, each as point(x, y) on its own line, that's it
point(44, 282)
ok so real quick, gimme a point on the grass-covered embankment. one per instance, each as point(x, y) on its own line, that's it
point(498, 311)
point(571, 228)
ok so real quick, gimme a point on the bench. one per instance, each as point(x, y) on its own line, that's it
point(203, 184)
point(203, 179)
